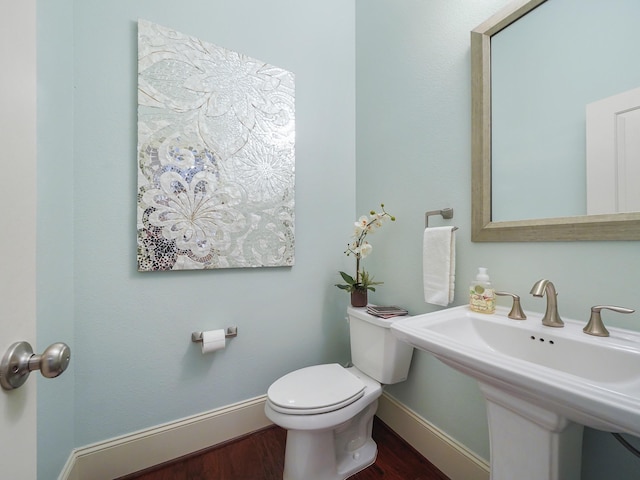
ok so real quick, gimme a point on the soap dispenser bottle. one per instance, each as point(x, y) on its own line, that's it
point(482, 296)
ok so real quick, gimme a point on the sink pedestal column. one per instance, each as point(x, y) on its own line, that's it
point(529, 442)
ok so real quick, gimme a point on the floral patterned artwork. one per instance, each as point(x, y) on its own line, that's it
point(216, 137)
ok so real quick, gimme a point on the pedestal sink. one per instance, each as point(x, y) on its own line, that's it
point(541, 384)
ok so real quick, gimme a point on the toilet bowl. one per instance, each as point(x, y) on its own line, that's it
point(328, 409)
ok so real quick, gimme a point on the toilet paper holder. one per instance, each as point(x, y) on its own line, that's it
point(230, 332)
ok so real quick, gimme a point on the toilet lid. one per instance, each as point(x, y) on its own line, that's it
point(317, 389)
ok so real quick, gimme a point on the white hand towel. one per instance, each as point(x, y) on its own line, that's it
point(439, 265)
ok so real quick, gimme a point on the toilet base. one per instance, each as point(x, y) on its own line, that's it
point(333, 454)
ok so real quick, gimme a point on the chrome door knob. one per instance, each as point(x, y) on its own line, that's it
point(53, 361)
point(19, 361)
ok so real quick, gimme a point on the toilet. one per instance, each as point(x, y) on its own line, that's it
point(328, 409)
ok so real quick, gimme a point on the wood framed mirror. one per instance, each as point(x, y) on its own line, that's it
point(613, 226)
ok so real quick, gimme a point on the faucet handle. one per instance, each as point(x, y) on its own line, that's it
point(516, 312)
point(595, 325)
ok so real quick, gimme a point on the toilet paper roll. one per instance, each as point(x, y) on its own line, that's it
point(213, 340)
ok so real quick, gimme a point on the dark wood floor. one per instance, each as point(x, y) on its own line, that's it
point(260, 456)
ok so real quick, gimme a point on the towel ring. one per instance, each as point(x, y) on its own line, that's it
point(446, 213)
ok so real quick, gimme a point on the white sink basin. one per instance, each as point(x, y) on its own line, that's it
point(593, 381)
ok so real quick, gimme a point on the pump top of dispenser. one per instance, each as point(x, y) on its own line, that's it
point(483, 276)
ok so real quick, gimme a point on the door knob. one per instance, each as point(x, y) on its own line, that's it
point(19, 361)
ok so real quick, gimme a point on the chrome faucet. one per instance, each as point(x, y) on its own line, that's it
point(551, 317)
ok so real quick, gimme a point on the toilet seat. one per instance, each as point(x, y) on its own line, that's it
point(316, 389)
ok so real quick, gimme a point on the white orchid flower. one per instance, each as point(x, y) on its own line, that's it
point(361, 224)
point(365, 249)
point(360, 248)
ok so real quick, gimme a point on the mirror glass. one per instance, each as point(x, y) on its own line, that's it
point(541, 70)
point(540, 87)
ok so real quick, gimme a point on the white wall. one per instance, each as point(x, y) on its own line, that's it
point(18, 243)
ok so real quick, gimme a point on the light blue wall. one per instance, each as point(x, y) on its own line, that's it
point(55, 230)
point(133, 364)
point(413, 153)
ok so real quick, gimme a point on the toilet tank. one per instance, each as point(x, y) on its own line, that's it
point(375, 351)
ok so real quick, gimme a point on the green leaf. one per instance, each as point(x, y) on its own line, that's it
point(348, 278)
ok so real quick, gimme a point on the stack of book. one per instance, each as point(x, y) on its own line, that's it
point(386, 312)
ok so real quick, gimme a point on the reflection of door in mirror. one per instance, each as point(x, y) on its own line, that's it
point(613, 154)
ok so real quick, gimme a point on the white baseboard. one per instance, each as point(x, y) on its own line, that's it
point(133, 452)
point(139, 450)
point(451, 457)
